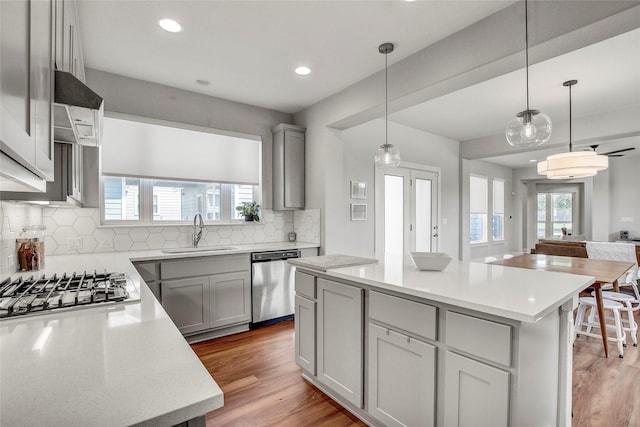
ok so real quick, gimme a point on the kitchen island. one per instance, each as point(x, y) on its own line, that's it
point(475, 344)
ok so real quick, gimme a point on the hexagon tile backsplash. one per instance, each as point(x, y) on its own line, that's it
point(72, 231)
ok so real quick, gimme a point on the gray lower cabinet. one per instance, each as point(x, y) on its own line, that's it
point(149, 271)
point(204, 294)
point(476, 394)
point(340, 337)
point(401, 378)
point(197, 304)
point(305, 332)
point(186, 301)
point(229, 299)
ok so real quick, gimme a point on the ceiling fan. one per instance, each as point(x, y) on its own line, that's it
point(615, 153)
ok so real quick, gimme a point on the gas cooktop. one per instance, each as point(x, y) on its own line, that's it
point(39, 295)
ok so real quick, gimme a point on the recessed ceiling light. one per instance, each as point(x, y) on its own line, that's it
point(303, 71)
point(170, 25)
point(203, 82)
point(532, 161)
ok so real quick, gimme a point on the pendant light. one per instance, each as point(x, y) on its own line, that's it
point(529, 127)
point(387, 155)
point(574, 164)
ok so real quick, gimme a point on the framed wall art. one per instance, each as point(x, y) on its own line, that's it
point(358, 211)
point(358, 190)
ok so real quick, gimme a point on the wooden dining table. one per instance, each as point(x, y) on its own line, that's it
point(603, 271)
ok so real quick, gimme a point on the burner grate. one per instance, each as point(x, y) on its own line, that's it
point(32, 295)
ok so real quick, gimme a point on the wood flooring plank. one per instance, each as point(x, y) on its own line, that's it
point(264, 387)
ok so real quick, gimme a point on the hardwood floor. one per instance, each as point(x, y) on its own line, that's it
point(263, 386)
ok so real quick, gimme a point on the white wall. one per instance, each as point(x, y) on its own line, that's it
point(357, 147)
point(624, 201)
point(490, 171)
point(597, 193)
point(441, 68)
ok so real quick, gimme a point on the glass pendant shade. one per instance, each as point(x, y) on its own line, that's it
point(387, 156)
point(575, 164)
point(528, 129)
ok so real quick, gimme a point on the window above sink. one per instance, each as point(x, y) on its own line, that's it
point(140, 201)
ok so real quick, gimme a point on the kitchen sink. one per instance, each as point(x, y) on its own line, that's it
point(200, 249)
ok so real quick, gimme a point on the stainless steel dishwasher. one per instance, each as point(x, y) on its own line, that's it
point(272, 284)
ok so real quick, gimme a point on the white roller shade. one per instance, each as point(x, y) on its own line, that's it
point(133, 148)
point(498, 196)
point(479, 195)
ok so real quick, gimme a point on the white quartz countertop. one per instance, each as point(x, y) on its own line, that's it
point(214, 250)
point(121, 365)
point(328, 262)
point(106, 366)
point(509, 292)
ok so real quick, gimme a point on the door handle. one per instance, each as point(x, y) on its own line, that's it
point(435, 235)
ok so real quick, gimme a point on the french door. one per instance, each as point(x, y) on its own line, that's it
point(406, 211)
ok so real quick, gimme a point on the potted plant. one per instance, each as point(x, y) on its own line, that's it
point(250, 210)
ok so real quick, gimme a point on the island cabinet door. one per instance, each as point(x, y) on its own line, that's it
point(340, 335)
point(186, 301)
point(475, 394)
point(230, 298)
point(305, 330)
point(401, 378)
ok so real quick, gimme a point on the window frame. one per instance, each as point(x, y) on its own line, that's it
point(146, 206)
point(486, 227)
point(548, 194)
point(493, 205)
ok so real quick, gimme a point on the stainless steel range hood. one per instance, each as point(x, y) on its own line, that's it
point(77, 112)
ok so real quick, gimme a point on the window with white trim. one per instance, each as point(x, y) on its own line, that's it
point(170, 201)
point(169, 172)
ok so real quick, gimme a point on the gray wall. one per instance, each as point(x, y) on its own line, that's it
point(511, 213)
point(359, 146)
point(623, 204)
point(146, 99)
point(455, 62)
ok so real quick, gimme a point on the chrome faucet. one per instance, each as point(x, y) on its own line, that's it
point(198, 224)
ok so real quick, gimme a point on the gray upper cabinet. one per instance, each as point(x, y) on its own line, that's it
point(288, 167)
point(26, 88)
point(68, 48)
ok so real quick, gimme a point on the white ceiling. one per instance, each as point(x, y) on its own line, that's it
point(248, 50)
point(608, 79)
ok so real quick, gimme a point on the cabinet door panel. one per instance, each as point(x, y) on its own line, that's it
point(15, 82)
point(293, 169)
point(402, 379)
point(305, 334)
point(475, 394)
point(42, 15)
point(230, 298)
point(340, 334)
point(186, 301)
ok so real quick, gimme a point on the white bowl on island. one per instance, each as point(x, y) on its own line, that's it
point(430, 261)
